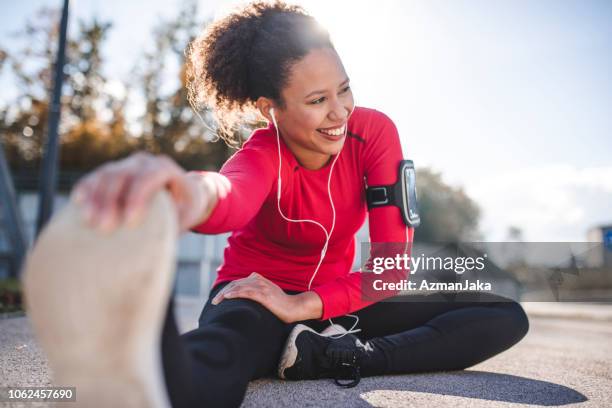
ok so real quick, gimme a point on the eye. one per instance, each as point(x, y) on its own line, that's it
point(317, 101)
point(322, 99)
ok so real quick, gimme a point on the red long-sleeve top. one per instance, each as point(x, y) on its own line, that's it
point(287, 253)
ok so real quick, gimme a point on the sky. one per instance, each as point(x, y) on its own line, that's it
point(509, 99)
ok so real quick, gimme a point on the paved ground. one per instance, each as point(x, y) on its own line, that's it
point(566, 359)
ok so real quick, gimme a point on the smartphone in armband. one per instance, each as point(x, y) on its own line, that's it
point(402, 194)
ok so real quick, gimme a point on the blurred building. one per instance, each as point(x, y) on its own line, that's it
point(601, 256)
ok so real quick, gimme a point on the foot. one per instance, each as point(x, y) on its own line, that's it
point(97, 302)
point(309, 355)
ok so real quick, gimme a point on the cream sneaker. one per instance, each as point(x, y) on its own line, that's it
point(97, 303)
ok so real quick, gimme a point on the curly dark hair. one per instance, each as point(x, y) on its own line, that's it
point(248, 54)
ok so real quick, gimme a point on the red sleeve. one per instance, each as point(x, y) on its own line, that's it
point(243, 183)
point(382, 155)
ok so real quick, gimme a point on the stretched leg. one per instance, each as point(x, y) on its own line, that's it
point(97, 303)
point(177, 364)
point(422, 335)
point(237, 341)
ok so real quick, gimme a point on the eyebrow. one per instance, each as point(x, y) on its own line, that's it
point(323, 91)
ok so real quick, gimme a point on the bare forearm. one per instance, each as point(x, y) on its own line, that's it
point(206, 195)
point(308, 306)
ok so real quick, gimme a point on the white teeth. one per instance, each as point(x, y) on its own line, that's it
point(335, 132)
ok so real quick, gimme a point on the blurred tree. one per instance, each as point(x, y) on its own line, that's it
point(169, 124)
point(23, 121)
point(95, 130)
point(86, 135)
point(514, 248)
point(447, 213)
point(95, 125)
point(514, 234)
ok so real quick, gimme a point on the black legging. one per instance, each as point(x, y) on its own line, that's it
point(239, 340)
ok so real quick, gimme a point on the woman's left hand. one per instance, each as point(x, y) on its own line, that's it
point(264, 291)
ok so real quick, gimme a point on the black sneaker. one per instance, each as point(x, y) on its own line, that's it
point(309, 355)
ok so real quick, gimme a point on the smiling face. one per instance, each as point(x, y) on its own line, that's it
point(318, 102)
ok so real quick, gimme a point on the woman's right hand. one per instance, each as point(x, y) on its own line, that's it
point(119, 192)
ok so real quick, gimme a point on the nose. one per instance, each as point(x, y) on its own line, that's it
point(339, 112)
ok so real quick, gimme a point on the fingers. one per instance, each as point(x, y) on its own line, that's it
point(82, 194)
point(152, 178)
point(86, 193)
point(220, 296)
point(112, 189)
point(252, 287)
point(263, 291)
point(120, 191)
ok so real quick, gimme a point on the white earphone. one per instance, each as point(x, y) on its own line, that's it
point(327, 233)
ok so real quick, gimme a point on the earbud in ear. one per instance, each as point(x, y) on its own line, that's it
point(272, 114)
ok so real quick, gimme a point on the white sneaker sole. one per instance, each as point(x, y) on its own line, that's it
point(97, 304)
point(333, 330)
point(290, 351)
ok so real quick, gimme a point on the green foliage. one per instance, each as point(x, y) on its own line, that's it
point(447, 213)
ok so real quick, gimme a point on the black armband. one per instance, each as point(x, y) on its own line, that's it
point(402, 194)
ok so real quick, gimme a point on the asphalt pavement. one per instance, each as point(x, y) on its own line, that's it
point(565, 360)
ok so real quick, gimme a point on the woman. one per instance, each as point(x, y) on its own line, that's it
point(294, 197)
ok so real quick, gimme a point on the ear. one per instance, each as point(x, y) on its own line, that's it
point(264, 105)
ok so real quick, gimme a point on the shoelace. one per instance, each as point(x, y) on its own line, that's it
point(347, 367)
point(338, 336)
point(352, 330)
